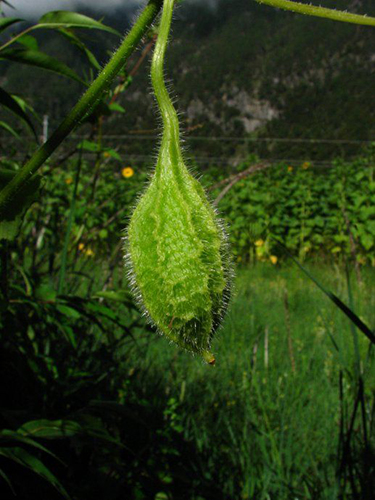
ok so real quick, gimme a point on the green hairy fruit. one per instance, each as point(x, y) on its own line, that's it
point(177, 250)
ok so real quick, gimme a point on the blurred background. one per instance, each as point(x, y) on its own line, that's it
point(277, 113)
point(249, 79)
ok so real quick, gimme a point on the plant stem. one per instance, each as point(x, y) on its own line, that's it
point(171, 128)
point(88, 100)
point(311, 10)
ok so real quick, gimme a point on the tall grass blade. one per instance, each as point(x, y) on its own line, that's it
point(352, 326)
point(64, 256)
point(7, 480)
point(344, 308)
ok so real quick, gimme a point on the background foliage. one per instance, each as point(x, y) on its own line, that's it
point(95, 405)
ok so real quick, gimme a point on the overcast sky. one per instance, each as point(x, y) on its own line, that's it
point(38, 7)
point(35, 8)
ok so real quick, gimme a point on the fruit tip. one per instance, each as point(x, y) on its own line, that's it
point(209, 358)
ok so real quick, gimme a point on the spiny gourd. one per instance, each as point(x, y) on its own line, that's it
point(177, 251)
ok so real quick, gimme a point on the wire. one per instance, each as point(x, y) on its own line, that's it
point(154, 137)
point(231, 161)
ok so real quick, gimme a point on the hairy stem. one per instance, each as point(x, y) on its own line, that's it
point(311, 10)
point(88, 100)
point(171, 130)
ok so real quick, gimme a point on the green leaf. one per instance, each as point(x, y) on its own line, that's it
point(9, 102)
point(69, 334)
point(40, 60)
point(68, 311)
point(367, 241)
point(45, 293)
point(81, 46)
point(5, 22)
point(13, 216)
point(119, 296)
point(161, 495)
point(50, 429)
point(66, 19)
point(89, 146)
point(25, 459)
point(116, 107)
point(101, 310)
point(9, 129)
point(9, 230)
point(14, 437)
point(28, 41)
point(113, 153)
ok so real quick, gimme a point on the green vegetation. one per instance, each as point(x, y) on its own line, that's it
point(93, 403)
point(270, 412)
point(315, 212)
point(269, 415)
point(323, 214)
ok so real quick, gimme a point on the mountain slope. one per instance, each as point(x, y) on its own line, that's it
point(244, 70)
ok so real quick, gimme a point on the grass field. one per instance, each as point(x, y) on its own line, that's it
point(267, 417)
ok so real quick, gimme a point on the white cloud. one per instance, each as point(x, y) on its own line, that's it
point(32, 8)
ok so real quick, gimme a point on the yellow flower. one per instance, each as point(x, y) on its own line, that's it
point(127, 172)
point(68, 181)
point(290, 168)
point(259, 243)
point(273, 259)
point(305, 165)
point(87, 251)
point(106, 154)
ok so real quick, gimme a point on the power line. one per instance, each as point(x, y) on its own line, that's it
point(155, 137)
point(231, 161)
point(241, 139)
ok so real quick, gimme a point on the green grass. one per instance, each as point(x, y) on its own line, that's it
point(266, 418)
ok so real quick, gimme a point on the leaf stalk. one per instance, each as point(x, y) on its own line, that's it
point(312, 10)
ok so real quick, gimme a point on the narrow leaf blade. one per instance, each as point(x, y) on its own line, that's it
point(10, 103)
point(50, 429)
point(23, 457)
point(66, 19)
point(40, 60)
point(344, 308)
point(9, 129)
point(73, 39)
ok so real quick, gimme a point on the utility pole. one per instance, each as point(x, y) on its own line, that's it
point(45, 128)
